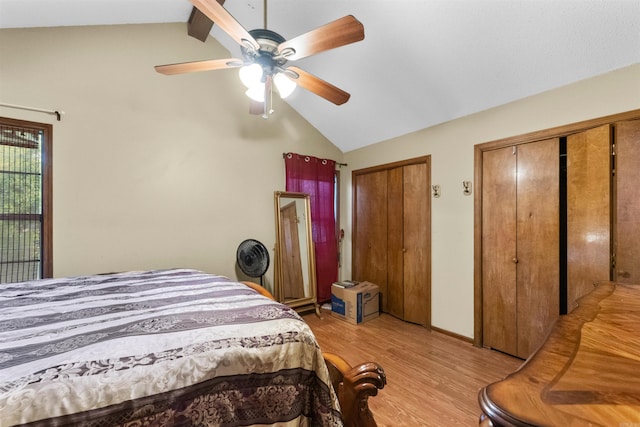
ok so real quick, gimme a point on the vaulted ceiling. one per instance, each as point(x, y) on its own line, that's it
point(422, 62)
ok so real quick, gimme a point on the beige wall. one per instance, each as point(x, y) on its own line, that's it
point(451, 148)
point(150, 171)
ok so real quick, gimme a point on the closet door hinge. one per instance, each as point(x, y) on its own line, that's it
point(613, 159)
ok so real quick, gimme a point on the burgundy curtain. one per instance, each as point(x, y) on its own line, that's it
point(315, 177)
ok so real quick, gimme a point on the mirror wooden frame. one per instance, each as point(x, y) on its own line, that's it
point(302, 269)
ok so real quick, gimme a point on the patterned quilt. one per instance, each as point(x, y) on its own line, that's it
point(157, 348)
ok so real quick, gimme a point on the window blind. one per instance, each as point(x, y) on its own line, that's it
point(20, 204)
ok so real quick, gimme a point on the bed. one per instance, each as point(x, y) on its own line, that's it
point(171, 347)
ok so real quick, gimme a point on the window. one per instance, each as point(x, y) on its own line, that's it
point(25, 201)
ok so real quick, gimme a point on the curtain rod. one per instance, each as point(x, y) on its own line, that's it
point(57, 113)
point(284, 155)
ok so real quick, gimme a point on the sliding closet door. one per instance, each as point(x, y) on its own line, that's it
point(538, 237)
point(627, 239)
point(499, 257)
point(588, 211)
point(576, 225)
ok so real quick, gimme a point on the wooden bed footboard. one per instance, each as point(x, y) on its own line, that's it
point(354, 385)
point(260, 289)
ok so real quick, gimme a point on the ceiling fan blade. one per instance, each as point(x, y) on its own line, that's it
point(199, 25)
point(319, 86)
point(190, 67)
point(218, 14)
point(340, 32)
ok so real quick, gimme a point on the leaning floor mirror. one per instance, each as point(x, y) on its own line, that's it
point(295, 263)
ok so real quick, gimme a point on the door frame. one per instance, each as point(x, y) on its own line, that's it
point(479, 149)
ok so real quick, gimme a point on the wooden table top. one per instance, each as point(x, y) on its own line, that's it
point(586, 373)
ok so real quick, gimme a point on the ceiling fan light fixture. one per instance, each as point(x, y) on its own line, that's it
point(285, 85)
point(251, 75)
point(256, 92)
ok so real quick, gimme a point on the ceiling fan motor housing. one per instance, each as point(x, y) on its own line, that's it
point(267, 56)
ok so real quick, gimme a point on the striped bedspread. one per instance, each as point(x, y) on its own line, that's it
point(157, 348)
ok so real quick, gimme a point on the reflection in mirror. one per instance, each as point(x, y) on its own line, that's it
point(295, 275)
point(295, 280)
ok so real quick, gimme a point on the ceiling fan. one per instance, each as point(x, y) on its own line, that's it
point(265, 56)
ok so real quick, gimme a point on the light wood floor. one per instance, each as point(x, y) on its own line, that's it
point(432, 378)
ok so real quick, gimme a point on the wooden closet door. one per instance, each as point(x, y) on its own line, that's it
point(392, 236)
point(370, 225)
point(538, 240)
point(588, 211)
point(499, 249)
point(627, 205)
point(394, 301)
point(417, 298)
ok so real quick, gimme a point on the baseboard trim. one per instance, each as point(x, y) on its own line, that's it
point(452, 334)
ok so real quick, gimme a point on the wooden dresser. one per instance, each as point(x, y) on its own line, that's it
point(587, 372)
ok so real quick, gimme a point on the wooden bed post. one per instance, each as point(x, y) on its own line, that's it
point(354, 385)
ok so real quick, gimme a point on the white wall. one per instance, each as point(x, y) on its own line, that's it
point(451, 148)
point(150, 171)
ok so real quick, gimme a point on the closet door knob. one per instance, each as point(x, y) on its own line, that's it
point(515, 260)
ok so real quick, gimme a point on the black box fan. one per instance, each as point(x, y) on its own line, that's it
point(253, 258)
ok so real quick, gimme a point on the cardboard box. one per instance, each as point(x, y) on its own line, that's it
point(356, 304)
